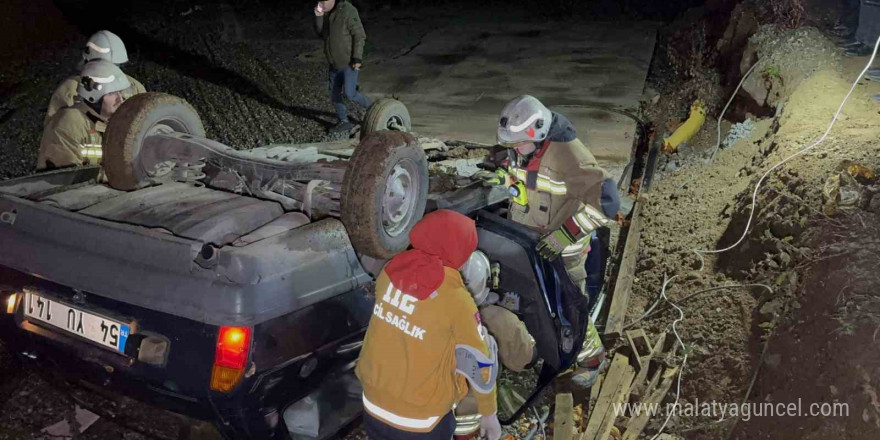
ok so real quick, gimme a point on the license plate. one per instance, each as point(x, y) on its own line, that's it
point(106, 332)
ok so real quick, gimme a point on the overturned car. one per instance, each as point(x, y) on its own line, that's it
point(235, 287)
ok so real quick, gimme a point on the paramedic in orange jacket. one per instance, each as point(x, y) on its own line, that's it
point(425, 342)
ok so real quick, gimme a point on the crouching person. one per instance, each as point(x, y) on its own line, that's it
point(74, 135)
point(516, 346)
point(425, 345)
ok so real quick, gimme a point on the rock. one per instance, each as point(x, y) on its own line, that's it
point(784, 259)
point(782, 228)
point(771, 308)
point(833, 390)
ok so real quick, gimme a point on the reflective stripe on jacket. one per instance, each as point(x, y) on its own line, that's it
point(407, 365)
point(72, 137)
point(565, 184)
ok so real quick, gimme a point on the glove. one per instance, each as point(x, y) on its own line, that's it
point(552, 244)
point(490, 427)
point(493, 178)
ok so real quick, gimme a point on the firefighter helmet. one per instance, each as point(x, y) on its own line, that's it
point(524, 119)
point(99, 78)
point(107, 46)
point(476, 273)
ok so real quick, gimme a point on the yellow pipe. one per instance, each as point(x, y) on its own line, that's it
point(688, 129)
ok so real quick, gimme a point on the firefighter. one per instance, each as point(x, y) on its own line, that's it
point(73, 135)
point(557, 188)
point(425, 344)
point(516, 346)
point(103, 45)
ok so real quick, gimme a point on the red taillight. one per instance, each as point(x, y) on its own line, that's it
point(230, 358)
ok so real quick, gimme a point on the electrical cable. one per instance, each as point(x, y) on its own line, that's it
point(721, 116)
point(648, 313)
point(792, 156)
point(683, 348)
point(540, 423)
point(746, 230)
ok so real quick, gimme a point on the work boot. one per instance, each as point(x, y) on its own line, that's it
point(858, 51)
point(587, 379)
point(846, 44)
point(341, 127)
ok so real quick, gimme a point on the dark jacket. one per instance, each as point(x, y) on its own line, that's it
point(343, 35)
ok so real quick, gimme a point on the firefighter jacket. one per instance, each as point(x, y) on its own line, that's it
point(343, 34)
point(516, 346)
point(66, 92)
point(72, 137)
point(423, 312)
point(564, 187)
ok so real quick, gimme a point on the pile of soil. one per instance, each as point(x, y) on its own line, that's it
point(706, 207)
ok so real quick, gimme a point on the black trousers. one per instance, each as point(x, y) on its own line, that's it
point(379, 430)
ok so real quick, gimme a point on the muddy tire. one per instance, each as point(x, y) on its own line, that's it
point(384, 193)
point(143, 114)
point(386, 114)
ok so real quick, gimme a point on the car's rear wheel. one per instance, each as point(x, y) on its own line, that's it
point(143, 115)
point(386, 114)
point(384, 193)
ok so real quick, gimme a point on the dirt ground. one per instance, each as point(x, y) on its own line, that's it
point(820, 317)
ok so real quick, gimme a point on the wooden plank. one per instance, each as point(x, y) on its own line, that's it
point(641, 347)
point(625, 277)
point(655, 379)
point(639, 382)
point(563, 417)
point(594, 394)
point(615, 389)
point(638, 422)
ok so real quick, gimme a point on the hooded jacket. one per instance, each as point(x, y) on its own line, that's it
point(422, 311)
point(343, 35)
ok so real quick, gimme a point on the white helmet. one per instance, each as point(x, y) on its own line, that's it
point(524, 119)
point(476, 273)
point(99, 78)
point(105, 45)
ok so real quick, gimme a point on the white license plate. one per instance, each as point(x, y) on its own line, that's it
point(106, 332)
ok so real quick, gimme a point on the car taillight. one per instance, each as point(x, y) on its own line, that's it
point(10, 304)
point(233, 344)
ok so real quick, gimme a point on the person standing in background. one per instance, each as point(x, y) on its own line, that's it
point(339, 25)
